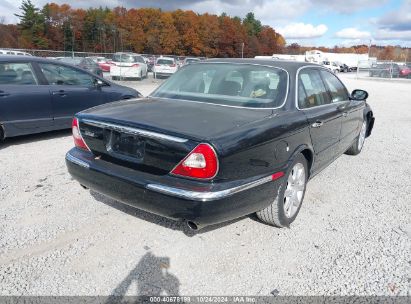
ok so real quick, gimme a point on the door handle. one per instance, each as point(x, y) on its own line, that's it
point(60, 92)
point(317, 124)
point(343, 106)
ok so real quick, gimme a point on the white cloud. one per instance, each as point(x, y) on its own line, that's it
point(348, 6)
point(385, 34)
point(303, 30)
point(352, 33)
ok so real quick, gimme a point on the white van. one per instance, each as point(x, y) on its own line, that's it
point(13, 52)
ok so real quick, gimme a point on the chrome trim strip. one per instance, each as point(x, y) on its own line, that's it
point(240, 107)
point(77, 161)
point(134, 131)
point(206, 196)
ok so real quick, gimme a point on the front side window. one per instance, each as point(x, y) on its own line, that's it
point(242, 85)
point(337, 89)
point(62, 75)
point(309, 81)
point(17, 73)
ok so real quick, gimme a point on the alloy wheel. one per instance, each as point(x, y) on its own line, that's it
point(294, 192)
point(361, 137)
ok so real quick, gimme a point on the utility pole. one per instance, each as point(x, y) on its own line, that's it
point(72, 41)
point(242, 50)
point(369, 50)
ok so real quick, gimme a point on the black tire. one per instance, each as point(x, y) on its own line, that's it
point(357, 146)
point(1, 134)
point(275, 213)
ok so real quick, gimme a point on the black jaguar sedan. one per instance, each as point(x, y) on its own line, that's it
point(38, 95)
point(221, 139)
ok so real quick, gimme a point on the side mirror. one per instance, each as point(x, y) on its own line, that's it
point(98, 83)
point(359, 95)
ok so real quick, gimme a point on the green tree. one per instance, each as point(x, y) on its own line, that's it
point(252, 25)
point(32, 25)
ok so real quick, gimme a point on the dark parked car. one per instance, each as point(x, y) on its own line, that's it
point(385, 70)
point(85, 63)
point(38, 95)
point(221, 139)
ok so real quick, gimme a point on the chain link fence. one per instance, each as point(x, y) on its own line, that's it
point(386, 69)
point(56, 54)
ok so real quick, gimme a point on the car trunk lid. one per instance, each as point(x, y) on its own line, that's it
point(153, 134)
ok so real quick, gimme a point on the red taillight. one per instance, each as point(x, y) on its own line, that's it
point(135, 65)
point(172, 65)
point(78, 139)
point(277, 175)
point(200, 163)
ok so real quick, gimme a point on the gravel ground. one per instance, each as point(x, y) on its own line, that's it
point(352, 236)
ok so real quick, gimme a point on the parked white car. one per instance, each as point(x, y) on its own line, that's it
point(332, 66)
point(165, 66)
point(13, 52)
point(128, 65)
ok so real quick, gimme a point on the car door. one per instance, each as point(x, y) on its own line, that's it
point(72, 90)
point(352, 110)
point(323, 116)
point(25, 104)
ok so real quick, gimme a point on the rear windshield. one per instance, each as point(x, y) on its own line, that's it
point(71, 60)
point(127, 58)
point(229, 84)
point(165, 61)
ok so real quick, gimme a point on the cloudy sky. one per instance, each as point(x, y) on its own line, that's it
point(307, 22)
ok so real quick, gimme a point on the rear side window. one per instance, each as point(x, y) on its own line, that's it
point(309, 81)
point(62, 75)
point(337, 89)
point(17, 73)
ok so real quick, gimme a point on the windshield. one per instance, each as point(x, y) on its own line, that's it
point(165, 61)
point(71, 60)
point(192, 60)
point(241, 85)
point(127, 58)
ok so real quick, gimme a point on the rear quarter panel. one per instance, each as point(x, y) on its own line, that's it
point(262, 147)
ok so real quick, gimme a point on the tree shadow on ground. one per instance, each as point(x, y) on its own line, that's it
point(150, 278)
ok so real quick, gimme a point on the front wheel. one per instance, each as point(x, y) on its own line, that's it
point(357, 145)
point(287, 203)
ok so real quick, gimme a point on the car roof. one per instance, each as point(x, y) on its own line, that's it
point(168, 58)
point(288, 65)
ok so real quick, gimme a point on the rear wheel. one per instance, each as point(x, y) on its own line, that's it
point(287, 203)
point(357, 145)
point(1, 134)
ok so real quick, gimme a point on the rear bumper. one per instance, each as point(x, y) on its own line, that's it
point(172, 197)
point(164, 74)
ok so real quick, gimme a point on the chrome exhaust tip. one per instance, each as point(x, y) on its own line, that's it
point(192, 225)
